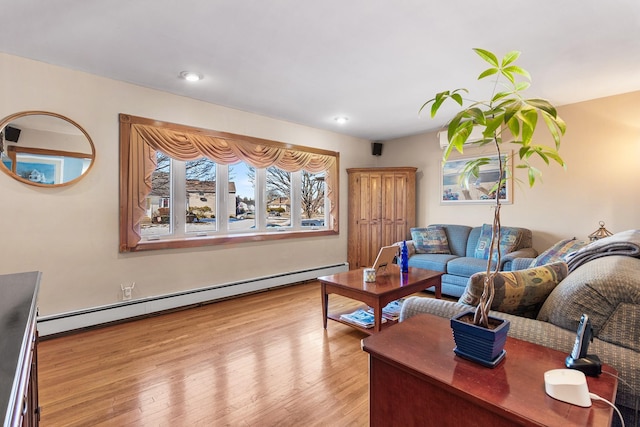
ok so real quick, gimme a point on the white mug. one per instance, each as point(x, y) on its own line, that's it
point(369, 275)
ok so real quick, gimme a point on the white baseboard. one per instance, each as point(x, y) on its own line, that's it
point(70, 321)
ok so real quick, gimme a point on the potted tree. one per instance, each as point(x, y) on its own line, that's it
point(507, 117)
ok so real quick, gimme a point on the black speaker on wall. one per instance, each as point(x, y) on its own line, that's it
point(11, 134)
point(376, 148)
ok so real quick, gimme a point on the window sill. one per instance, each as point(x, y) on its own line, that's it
point(195, 242)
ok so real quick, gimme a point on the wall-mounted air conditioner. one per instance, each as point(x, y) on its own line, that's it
point(476, 135)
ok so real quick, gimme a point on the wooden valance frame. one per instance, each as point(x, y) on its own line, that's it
point(140, 138)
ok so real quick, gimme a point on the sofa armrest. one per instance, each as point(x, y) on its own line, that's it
point(507, 260)
point(439, 307)
point(520, 264)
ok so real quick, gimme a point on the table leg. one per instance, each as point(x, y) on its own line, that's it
point(377, 316)
point(438, 289)
point(325, 303)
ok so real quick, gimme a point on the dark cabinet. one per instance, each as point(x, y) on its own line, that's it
point(19, 349)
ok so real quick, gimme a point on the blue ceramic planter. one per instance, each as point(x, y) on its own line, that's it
point(481, 345)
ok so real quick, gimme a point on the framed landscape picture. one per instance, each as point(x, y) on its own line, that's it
point(39, 169)
point(454, 190)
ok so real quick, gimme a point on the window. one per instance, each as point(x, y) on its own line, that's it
point(278, 197)
point(243, 209)
point(313, 199)
point(186, 187)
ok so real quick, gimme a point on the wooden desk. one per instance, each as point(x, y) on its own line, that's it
point(389, 286)
point(417, 380)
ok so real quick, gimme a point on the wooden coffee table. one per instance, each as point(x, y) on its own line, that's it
point(389, 286)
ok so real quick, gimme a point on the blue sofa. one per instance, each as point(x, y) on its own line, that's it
point(462, 261)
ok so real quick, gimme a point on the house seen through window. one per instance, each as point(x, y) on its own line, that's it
point(230, 199)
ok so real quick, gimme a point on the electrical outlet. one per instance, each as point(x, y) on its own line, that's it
point(127, 291)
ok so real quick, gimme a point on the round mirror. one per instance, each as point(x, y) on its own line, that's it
point(44, 149)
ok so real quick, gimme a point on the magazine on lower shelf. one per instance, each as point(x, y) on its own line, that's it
point(360, 317)
point(390, 311)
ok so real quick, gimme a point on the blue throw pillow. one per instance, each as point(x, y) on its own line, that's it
point(558, 252)
point(430, 240)
point(509, 241)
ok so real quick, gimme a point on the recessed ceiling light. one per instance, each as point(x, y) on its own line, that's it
point(341, 119)
point(190, 76)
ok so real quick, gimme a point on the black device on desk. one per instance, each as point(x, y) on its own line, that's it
point(579, 359)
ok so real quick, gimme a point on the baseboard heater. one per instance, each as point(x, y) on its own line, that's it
point(72, 320)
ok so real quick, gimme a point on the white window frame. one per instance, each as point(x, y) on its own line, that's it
point(178, 191)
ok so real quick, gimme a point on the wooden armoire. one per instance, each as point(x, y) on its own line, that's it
point(382, 209)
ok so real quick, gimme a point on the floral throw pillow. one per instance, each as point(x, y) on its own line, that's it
point(509, 240)
point(558, 252)
point(520, 292)
point(430, 240)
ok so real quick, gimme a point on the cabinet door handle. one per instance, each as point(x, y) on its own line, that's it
point(25, 405)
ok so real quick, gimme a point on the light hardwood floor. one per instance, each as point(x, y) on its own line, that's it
point(258, 360)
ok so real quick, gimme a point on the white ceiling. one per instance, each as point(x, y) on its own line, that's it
point(375, 61)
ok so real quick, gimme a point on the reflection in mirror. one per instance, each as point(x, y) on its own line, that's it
point(44, 149)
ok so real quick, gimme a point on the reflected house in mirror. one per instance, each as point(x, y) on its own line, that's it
point(44, 149)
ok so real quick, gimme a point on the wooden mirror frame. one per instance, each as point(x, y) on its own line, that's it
point(12, 150)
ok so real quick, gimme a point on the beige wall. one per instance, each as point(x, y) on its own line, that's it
point(71, 233)
point(601, 181)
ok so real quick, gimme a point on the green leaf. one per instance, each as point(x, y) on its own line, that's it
point(508, 75)
point(437, 99)
point(461, 133)
point(542, 155)
point(529, 121)
point(555, 156)
point(504, 104)
point(487, 56)
point(556, 127)
point(440, 98)
point(488, 72)
point(514, 126)
point(471, 171)
point(549, 154)
point(457, 97)
point(493, 124)
point(476, 114)
point(511, 110)
point(522, 86)
point(498, 96)
point(447, 152)
point(436, 106)
point(561, 124)
point(510, 57)
point(542, 104)
point(514, 69)
point(455, 133)
point(454, 123)
point(425, 105)
point(527, 133)
point(533, 173)
point(524, 152)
